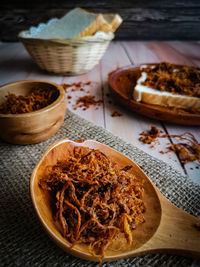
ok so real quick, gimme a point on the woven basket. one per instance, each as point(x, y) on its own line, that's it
point(67, 56)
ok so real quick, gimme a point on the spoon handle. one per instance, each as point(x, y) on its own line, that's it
point(178, 232)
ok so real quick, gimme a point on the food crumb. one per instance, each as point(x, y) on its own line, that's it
point(68, 85)
point(116, 114)
point(88, 83)
point(83, 102)
point(188, 149)
point(150, 136)
point(87, 101)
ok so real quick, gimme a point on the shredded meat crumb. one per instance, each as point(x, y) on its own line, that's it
point(76, 86)
point(116, 114)
point(88, 83)
point(188, 148)
point(38, 98)
point(87, 101)
point(94, 200)
point(68, 85)
point(150, 136)
point(84, 101)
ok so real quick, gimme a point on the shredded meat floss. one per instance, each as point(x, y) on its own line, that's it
point(94, 199)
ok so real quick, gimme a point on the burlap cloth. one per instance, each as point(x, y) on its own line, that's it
point(22, 239)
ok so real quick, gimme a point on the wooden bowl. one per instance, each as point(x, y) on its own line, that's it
point(166, 229)
point(33, 127)
point(122, 82)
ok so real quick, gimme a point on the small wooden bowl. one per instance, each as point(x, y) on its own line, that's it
point(167, 229)
point(33, 127)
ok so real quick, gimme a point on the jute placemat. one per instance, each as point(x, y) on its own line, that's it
point(22, 239)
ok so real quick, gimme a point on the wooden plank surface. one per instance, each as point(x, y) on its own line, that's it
point(142, 20)
point(16, 64)
point(94, 113)
point(139, 53)
point(170, 52)
point(189, 50)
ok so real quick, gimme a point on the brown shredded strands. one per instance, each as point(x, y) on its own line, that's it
point(188, 149)
point(150, 136)
point(38, 98)
point(76, 85)
point(176, 79)
point(87, 101)
point(94, 199)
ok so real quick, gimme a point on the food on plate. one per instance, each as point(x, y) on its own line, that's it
point(94, 199)
point(79, 23)
point(188, 147)
point(169, 85)
point(36, 99)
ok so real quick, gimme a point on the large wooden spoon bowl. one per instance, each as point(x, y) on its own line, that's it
point(167, 229)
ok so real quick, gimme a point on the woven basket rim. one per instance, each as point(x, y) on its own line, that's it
point(84, 39)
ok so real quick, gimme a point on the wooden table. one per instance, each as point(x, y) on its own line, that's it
point(16, 64)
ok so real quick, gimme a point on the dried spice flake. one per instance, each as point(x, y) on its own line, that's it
point(150, 136)
point(87, 101)
point(188, 149)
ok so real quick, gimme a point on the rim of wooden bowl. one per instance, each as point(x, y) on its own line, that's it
point(42, 110)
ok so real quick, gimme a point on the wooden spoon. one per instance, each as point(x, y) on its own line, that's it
point(167, 229)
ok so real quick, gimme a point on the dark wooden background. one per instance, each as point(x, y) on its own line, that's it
point(143, 19)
